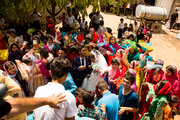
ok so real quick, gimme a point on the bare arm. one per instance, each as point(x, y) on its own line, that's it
point(20, 105)
point(125, 60)
point(129, 109)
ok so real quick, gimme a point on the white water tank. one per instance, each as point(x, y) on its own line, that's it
point(151, 12)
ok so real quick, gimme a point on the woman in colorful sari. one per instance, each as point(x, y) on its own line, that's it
point(41, 36)
point(39, 43)
point(111, 48)
point(157, 100)
point(35, 78)
point(15, 53)
point(11, 69)
point(171, 75)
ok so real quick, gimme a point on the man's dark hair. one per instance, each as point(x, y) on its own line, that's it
point(81, 47)
point(59, 67)
point(44, 53)
point(102, 85)
point(88, 97)
point(101, 22)
point(63, 49)
point(130, 77)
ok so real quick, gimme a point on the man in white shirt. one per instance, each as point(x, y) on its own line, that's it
point(60, 68)
point(96, 20)
point(120, 28)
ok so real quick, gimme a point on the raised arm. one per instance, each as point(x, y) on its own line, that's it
point(20, 105)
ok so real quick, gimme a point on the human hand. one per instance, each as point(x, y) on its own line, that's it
point(87, 76)
point(89, 66)
point(103, 107)
point(108, 52)
point(54, 100)
point(122, 110)
point(82, 67)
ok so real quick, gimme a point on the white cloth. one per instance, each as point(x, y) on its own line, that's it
point(19, 40)
point(101, 29)
point(70, 19)
point(120, 26)
point(83, 25)
point(84, 61)
point(36, 17)
point(98, 66)
point(50, 46)
point(67, 109)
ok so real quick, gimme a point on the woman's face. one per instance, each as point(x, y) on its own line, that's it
point(112, 40)
point(131, 38)
point(115, 66)
point(131, 50)
point(92, 60)
point(50, 41)
point(11, 70)
point(104, 35)
point(14, 48)
point(141, 24)
point(12, 34)
point(168, 73)
point(39, 34)
point(37, 40)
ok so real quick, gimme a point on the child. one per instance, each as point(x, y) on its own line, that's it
point(170, 109)
point(120, 28)
point(79, 92)
point(113, 73)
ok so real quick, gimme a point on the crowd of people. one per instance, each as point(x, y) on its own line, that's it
point(102, 76)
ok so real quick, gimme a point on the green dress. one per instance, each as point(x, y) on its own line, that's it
point(156, 108)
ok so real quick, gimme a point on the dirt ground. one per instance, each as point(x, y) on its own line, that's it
point(165, 44)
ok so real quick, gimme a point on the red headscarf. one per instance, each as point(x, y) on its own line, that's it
point(165, 90)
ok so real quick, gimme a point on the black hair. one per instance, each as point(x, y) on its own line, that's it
point(171, 69)
point(59, 67)
point(115, 60)
point(173, 99)
point(88, 97)
point(73, 49)
point(161, 84)
point(81, 47)
point(102, 85)
point(131, 35)
point(62, 48)
point(101, 22)
point(130, 77)
point(44, 53)
point(13, 44)
point(179, 72)
point(121, 19)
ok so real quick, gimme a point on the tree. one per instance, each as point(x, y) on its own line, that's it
point(20, 9)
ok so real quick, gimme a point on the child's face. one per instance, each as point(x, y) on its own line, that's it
point(80, 99)
point(11, 70)
point(115, 66)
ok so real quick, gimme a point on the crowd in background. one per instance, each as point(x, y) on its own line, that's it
point(103, 76)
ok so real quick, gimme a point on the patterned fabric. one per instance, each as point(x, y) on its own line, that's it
point(91, 112)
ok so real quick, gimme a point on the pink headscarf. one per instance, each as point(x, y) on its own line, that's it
point(132, 71)
point(173, 77)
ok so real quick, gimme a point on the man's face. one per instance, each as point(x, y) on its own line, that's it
point(83, 51)
point(61, 53)
point(126, 83)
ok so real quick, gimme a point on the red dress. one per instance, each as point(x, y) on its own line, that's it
point(154, 77)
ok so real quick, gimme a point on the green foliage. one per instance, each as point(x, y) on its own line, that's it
point(20, 9)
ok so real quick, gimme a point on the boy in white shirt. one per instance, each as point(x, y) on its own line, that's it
point(60, 68)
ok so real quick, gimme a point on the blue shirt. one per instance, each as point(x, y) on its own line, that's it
point(112, 105)
point(69, 84)
point(129, 100)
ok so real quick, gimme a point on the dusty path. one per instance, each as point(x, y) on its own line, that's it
point(166, 45)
